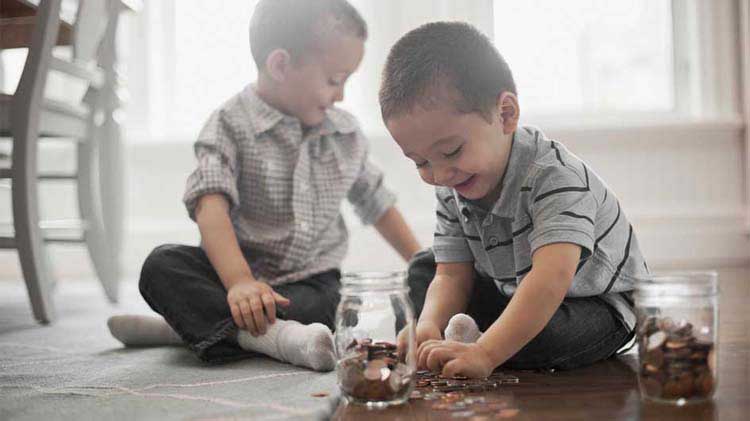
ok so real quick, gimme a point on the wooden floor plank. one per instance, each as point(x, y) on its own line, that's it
point(608, 390)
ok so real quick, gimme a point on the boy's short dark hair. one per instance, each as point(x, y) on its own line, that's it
point(299, 26)
point(444, 58)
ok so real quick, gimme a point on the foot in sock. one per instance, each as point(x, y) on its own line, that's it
point(462, 328)
point(290, 341)
point(137, 330)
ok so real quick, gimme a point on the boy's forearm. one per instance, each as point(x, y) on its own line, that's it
point(220, 241)
point(448, 294)
point(394, 229)
point(518, 325)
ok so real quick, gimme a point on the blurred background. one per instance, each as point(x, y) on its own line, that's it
point(652, 93)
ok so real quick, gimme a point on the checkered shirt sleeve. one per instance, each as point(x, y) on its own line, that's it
point(368, 195)
point(216, 172)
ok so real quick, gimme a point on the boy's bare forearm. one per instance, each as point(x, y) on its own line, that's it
point(448, 293)
point(394, 229)
point(220, 241)
point(532, 306)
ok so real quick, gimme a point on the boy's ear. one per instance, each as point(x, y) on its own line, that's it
point(509, 111)
point(278, 63)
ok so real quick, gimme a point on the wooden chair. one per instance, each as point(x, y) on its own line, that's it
point(29, 118)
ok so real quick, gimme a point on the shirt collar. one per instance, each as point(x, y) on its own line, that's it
point(263, 116)
point(522, 154)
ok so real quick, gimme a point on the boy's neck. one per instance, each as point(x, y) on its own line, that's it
point(268, 92)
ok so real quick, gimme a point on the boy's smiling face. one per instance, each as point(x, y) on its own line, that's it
point(463, 151)
point(316, 82)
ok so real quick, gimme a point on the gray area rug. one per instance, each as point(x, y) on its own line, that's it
point(74, 369)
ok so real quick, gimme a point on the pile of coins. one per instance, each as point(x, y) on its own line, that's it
point(454, 395)
point(674, 364)
point(371, 371)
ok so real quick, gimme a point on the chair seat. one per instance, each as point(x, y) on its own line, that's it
point(58, 119)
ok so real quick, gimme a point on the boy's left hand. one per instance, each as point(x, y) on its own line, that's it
point(455, 358)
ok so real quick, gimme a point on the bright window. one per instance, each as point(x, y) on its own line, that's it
point(212, 58)
point(588, 56)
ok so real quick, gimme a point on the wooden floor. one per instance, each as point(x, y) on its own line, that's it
point(608, 390)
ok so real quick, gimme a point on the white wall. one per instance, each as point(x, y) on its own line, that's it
point(682, 186)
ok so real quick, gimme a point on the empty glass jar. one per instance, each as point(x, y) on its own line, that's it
point(678, 316)
point(373, 310)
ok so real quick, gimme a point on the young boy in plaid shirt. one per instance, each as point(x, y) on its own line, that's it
point(274, 164)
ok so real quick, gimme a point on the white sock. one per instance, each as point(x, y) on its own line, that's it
point(290, 341)
point(137, 330)
point(462, 328)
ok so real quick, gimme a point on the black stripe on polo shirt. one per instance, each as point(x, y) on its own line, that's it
point(575, 215)
point(501, 243)
point(560, 190)
point(565, 189)
point(617, 218)
point(557, 153)
point(473, 238)
point(523, 271)
point(622, 263)
point(446, 217)
point(505, 280)
point(525, 188)
point(438, 234)
point(522, 230)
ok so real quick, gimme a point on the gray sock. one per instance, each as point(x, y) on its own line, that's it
point(138, 330)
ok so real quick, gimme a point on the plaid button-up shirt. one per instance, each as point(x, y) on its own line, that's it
point(284, 188)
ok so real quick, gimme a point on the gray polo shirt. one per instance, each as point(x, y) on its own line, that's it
point(548, 196)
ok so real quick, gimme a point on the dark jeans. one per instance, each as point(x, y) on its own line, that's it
point(179, 283)
point(581, 332)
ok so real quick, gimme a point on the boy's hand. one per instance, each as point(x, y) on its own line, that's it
point(248, 300)
point(425, 332)
point(455, 358)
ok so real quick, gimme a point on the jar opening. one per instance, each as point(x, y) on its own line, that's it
point(373, 281)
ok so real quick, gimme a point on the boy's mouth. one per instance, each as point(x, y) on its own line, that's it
point(466, 184)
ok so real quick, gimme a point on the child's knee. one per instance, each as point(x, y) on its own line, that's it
point(155, 263)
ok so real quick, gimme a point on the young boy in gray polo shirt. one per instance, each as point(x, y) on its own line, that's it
point(529, 240)
point(274, 164)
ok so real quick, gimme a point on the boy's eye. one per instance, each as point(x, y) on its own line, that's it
point(421, 164)
point(333, 82)
point(453, 153)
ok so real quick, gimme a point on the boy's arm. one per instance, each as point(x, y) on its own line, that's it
point(534, 302)
point(532, 306)
point(246, 296)
point(397, 233)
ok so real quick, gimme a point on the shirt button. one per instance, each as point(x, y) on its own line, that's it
point(303, 226)
point(494, 241)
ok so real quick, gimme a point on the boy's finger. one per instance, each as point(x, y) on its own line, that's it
point(237, 316)
point(281, 300)
point(247, 317)
point(260, 319)
point(270, 306)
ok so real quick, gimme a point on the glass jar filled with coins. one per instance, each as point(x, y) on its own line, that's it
point(373, 310)
point(677, 336)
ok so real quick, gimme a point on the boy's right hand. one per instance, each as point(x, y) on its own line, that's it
point(253, 305)
point(425, 331)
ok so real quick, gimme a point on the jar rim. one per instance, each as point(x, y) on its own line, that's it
point(374, 280)
point(679, 283)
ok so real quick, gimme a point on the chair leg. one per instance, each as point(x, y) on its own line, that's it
point(103, 254)
point(29, 241)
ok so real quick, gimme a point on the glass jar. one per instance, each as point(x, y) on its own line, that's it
point(373, 310)
point(677, 333)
